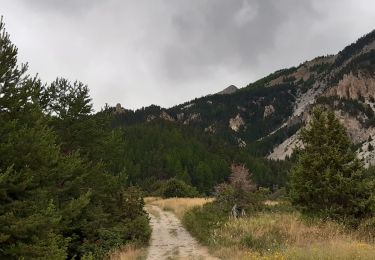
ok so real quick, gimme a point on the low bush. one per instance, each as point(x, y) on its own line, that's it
point(176, 188)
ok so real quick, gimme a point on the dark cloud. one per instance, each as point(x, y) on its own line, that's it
point(226, 33)
point(168, 51)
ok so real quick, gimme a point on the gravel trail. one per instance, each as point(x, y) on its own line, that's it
point(170, 240)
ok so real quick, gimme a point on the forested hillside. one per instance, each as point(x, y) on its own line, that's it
point(72, 180)
point(264, 117)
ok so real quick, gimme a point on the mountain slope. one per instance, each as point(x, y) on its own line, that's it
point(264, 117)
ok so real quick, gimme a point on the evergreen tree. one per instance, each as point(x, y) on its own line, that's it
point(56, 205)
point(29, 216)
point(328, 179)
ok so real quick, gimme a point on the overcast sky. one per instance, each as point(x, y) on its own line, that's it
point(165, 52)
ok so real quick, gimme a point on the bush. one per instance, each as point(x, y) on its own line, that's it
point(241, 191)
point(177, 188)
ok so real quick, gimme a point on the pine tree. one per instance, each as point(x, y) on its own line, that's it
point(27, 151)
point(328, 180)
point(54, 205)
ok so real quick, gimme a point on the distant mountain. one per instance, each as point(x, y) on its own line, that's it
point(265, 116)
point(229, 90)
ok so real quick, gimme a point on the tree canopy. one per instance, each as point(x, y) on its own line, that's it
point(328, 179)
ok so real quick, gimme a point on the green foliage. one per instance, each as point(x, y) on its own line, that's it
point(364, 63)
point(273, 240)
point(304, 86)
point(354, 48)
point(161, 151)
point(328, 179)
point(56, 204)
point(201, 221)
point(265, 146)
point(177, 188)
point(320, 67)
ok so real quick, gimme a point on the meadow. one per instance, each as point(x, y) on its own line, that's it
point(277, 232)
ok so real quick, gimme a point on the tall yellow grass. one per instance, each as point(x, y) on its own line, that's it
point(286, 236)
point(277, 236)
point(177, 205)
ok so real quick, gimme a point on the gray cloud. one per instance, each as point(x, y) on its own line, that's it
point(169, 51)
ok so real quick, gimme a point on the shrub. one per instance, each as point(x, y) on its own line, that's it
point(177, 188)
point(241, 191)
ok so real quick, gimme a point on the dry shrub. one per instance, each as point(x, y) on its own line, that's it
point(240, 179)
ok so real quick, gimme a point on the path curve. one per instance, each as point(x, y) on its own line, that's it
point(170, 240)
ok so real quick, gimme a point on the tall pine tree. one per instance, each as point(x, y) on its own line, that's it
point(328, 180)
point(53, 204)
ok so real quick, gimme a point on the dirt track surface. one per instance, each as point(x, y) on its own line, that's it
point(170, 240)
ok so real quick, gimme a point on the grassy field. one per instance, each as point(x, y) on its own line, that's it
point(278, 232)
point(287, 236)
point(178, 206)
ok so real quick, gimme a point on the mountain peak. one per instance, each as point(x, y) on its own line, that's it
point(229, 90)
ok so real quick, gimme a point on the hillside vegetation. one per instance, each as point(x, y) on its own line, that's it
point(72, 181)
point(328, 213)
point(60, 197)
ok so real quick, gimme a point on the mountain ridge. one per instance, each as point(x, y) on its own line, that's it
point(265, 116)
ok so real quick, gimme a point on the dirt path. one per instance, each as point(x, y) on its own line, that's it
point(170, 240)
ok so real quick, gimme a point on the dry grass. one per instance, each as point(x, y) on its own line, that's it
point(152, 211)
point(177, 205)
point(271, 202)
point(286, 236)
point(149, 200)
point(277, 236)
point(129, 252)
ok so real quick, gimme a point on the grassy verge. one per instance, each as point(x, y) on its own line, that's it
point(278, 232)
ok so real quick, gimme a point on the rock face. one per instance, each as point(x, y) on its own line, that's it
point(119, 109)
point(241, 143)
point(366, 152)
point(268, 110)
point(164, 115)
point(188, 106)
point(352, 87)
point(192, 118)
point(180, 116)
point(236, 122)
point(286, 148)
point(229, 90)
point(356, 131)
point(210, 129)
point(150, 118)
